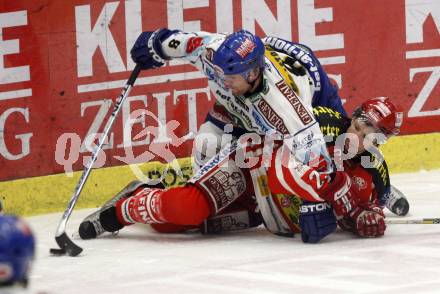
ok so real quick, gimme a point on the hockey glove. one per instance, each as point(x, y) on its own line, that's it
point(147, 50)
point(340, 194)
point(316, 220)
point(365, 221)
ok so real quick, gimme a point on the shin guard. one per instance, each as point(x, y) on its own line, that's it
point(142, 207)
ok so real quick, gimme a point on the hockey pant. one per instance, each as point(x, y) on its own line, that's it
point(183, 208)
point(219, 194)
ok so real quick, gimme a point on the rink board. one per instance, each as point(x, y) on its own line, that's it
point(45, 194)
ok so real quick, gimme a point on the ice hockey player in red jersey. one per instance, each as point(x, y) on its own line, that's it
point(222, 196)
point(365, 164)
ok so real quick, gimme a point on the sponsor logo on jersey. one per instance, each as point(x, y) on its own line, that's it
point(224, 186)
point(326, 110)
point(330, 132)
point(245, 48)
point(241, 103)
point(315, 207)
point(222, 95)
point(272, 117)
point(291, 96)
point(193, 43)
point(235, 107)
point(378, 164)
point(260, 122)
point(279, 44)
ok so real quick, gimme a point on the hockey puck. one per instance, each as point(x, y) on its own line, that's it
point(57, 251)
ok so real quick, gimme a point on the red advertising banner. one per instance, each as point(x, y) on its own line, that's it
point(63, 63)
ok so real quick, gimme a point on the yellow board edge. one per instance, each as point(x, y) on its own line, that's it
point(47, 194)
point(412, 153)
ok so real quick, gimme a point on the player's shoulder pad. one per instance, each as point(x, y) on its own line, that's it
point(301, 53)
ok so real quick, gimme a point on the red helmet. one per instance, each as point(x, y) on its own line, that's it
point(382, 114)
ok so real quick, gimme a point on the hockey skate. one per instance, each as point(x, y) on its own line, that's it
point(105, 219)
point(397, 202)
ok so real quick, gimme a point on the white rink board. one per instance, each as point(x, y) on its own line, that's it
point(406, 260)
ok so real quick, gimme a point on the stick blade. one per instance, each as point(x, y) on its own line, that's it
point(57, 251)
point(66, 246)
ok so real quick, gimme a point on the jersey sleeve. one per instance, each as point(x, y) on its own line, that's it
point(376, 165)
point(381, 180)
point(191, 47)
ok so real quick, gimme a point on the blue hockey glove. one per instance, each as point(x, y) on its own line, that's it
point(147, 50)
point(316, 220)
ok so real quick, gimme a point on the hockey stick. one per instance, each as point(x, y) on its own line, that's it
point(64, 242)
point(419, 221)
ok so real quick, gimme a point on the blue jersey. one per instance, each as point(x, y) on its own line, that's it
point(325, 93)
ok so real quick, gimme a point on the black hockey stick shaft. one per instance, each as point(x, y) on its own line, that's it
point(62, 239)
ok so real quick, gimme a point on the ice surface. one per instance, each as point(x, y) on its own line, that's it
point(137, 260)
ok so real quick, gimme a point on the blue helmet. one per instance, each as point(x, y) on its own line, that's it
point(17, 250)
point(239, 53)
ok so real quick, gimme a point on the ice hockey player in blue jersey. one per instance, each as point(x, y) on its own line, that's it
point(17, 251)
point(261, 85)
